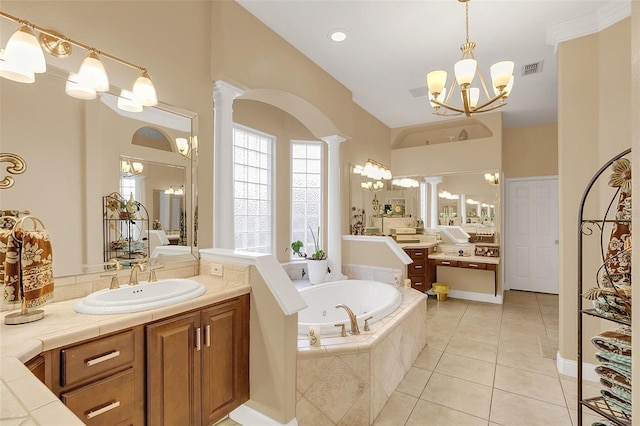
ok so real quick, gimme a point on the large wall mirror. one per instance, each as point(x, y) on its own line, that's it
point(74, 151)
point(468, 200)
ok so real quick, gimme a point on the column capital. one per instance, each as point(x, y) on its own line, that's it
point(333, 139)
point(224, 88)
point(433, 180)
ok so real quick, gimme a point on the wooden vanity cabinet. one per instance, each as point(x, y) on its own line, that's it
point(102, 380)
point(198, 364)
point(420, 272)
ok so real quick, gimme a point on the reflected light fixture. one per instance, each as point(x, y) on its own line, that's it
point(23, 57)
point(372, 186)
point(465, 71)
point(373, 170)
point(406, 183)
point(492, 178)
point(171, 191)
point(447, 195)
point(182, 145)
point(131, 168)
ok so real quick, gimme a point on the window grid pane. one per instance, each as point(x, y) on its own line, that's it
point(306, 190)
point(252, 190)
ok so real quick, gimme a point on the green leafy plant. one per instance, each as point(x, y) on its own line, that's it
point(318, 254)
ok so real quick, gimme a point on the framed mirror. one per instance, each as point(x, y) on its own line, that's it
point(73, 150)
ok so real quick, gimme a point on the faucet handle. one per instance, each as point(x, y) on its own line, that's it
point(152, 273)
point(343, 330)
point(366, 323)
point(114, 280)
point(114, 262)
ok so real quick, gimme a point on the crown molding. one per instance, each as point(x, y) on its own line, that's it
point(604, 17)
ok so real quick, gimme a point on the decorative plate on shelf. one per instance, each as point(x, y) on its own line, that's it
point(398, 209)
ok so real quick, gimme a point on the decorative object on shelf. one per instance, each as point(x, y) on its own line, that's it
point(465, 71)
point(23, 57)
point(317, 266)
point(126, 230)
point(28, 270)
point(18, 166)
point(358, 218)
point(492, 178)
point(611, 295)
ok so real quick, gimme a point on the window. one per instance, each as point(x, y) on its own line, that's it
point(306, 192)
point(127, 187)
point(252, 188)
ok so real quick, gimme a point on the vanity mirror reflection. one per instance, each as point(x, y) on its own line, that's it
point(74, 151)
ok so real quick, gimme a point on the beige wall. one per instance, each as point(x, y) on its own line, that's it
point(593, 125)
point(530, 151)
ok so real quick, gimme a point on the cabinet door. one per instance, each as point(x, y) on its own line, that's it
point(225, 358)
point(173, 371)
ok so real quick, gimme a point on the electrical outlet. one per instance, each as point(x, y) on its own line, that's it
point(216, 269)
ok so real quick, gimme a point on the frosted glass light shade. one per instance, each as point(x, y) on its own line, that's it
point(144, 90)
point(501, 72)
point(474, 95)
point(436, 80)
point(15, 71)
point(465, 70)
point(23, 50)
point(137, 167)
point(182, 144)
point(92, 72)
point(128, 102)
point(76, 89)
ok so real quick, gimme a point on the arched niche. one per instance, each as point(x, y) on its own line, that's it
point(441, 132)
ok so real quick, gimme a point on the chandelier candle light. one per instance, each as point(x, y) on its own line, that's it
point(465, 71)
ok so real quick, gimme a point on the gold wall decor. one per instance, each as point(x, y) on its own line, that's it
point(17, 167)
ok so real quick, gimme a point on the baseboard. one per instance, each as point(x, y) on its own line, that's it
point(478, 297)
point(246, 415)
point(569, 367)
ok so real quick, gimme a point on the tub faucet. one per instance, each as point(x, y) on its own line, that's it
point(133, 278)
point(352, 319)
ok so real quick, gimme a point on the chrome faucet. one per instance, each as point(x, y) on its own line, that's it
point(133, 278)
point(352, 319)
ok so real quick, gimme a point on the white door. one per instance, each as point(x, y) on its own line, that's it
point(531, 234)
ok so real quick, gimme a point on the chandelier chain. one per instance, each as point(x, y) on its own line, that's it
point(466, 22)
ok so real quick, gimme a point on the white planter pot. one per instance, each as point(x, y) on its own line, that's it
point(317, 271)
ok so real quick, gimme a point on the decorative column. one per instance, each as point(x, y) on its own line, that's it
point(433, 203)
point(334, 233)
point(223, 226)
point(463, 208)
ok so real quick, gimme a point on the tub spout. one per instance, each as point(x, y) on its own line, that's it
point(352, 319)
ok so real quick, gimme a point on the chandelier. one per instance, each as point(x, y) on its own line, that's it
point(492, 178)
point(130, 168)
point(465, 70)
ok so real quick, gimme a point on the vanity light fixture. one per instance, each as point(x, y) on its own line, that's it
point(406, 183)
point(372, 186)
point(131, 168)
point(448, 196)
point(182, 145)
point(492, 178)
point(373, 170)
point(171, 191)
point(23, 57)
point(465, 70)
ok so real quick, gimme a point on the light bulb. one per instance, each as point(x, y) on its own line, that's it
point(92, 73)
point(23, 50)
point(15, 71)
point(436, 80)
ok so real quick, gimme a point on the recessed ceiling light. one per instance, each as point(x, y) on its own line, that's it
point(338, 35)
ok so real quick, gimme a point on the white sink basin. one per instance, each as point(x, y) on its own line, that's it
point(141, 297)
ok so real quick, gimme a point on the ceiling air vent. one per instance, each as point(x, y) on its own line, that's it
point(419, 91)
point(533, 68)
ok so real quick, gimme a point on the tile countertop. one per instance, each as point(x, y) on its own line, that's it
point(475, 259)
point(26, 400)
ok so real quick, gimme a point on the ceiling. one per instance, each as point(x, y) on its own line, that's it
point(392, 45)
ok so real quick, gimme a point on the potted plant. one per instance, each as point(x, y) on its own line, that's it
point(317, 266)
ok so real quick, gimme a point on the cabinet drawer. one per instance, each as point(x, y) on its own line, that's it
point(106, 402)
point(472, 265)
point(442, 262)
point(418, 283)
point(98, 356)
point(417, 254)
point(417, 268)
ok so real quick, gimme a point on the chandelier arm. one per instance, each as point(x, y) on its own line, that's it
point(450, 107)
point(480, 108)
point(490, 108)
point(445, 114)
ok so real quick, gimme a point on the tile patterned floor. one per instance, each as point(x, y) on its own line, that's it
point(488, 365)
